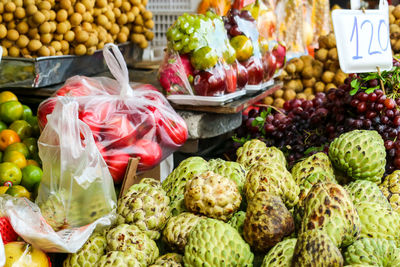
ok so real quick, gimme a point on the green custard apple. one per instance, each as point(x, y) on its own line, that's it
point(169, 260)
point(118, 259)
point(366, 191)
point(391, 189)
point(281, 254)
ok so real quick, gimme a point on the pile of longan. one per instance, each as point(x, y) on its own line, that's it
point(38, 28)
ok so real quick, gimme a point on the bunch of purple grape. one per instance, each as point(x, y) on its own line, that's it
point(303, 126)
point(236, 17)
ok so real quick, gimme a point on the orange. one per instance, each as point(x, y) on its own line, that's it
point(8, 137)
point(31, 175)
point(243, 47)
point(11, 111)
point(7, 96)
point(32, 162)
point(16, 157)
point(18, 191)
point(9, 172)
point(20, 147)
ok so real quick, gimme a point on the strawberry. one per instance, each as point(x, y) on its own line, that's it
point(6, 230)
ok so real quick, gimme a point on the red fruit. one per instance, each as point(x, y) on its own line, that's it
point(242, 75)
point(176, 132)
point(149, 153)
point(231, 79)
point(210, 82)
point(92, 120)
point(119, 132)
point(117, 162)
point(389, 103)
point(6, 230)
point(80, 87)
point(279, 51)
point(102, 150)
point(269, 64)
point(254, 69)
point(239, 4)
point(45, 108)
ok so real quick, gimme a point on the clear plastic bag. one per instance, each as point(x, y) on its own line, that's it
point(127, 120)
point(76, 193)
point(2, 253)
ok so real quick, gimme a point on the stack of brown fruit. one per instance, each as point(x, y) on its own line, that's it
point(305, 76)
point(394, 28)
point(32, 28)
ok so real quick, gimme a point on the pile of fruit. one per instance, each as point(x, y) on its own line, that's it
point(394, 28)
point(211, 55)
point(71, 27)
point(305, 76)
point(20, 171)
point(327, 211)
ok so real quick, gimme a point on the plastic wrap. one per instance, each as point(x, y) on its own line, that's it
point(2, 253)
point(199, 57)
point(126, 120)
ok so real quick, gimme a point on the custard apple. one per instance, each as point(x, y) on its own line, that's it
point(255, 151)
point(175, 183)
point(53, 210)
point(89, 254)
point(237, 221)
point(373, 251)
point(177, 230)
point(231, 170)
point(213, 243)
point(212, 195)
point(118, 259)
point(328, 207)
point(281, 254)
point(145, 206)
point(378, 221)
point(274, 179)
point(314, 169)
point(366, 191)
point(169, 260)
point(267, 222)
point(151, 181)
point(177, 206)
point(391, 189)
point(315, 248)
point(129, 239)
point(361, 154)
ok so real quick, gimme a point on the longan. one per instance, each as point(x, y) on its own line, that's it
point(46, 14)
point(12, 35)
point(64, 45)
point(6, 43)
point(137, 29)
point(82, 36)
point(11, 25)
point(44, 5)
point(117, 12)
point(62, 27)
point(1, 7)
point(32, 32)
point(131, 17)
point(137, 38)
point(142, 8)
point(92, 41)
point(3, 31)
point(8, 17)
point(149, 35)
point(80, 8)
point(75, 19)
point(89, 4)
point(110, 15)
point(46, 38)
point(87, 17)
point(91, 50)
point(29, 2)
point(53, 15)
point(45, 27)
point(13, 51)
point(122, 37)
point(22, 41)
point(100, 45)
point(62, 15)
point(5, 52)
point(123, 19)
point(96, 12)
point(44, 51)
point(149, 24)
point(139, 20)
point(125, 30)
point(10, 7)
point(18, 3)
point(117, 3)
point(65, 4)
point(87, 26)
point(70, 11)
point(59, 53)
point(59, 37)
point(147, 15)
point(69, 36)
point(135, 2)
point(25, 52)
point(52, 51)
point(34, 45)
point(39, 17)
point(102, 20)
point(53, 26)
point(126, 6)
point(101, 3)
point(20, 13)
point(56, 45)
point(135, 11)
point(80, 50)
point(114, 29)
point(31, 9)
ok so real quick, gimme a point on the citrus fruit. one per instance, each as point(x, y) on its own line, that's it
point(7, 96)
point(11, 111)
point(20, 147)
point(3, 189)
point(33, 121)
point(3, 126)
point(15, 157)
point(22, 128)
point(31, 175)
point(22, 254)
point(27, 112)
point(9, 172)
point(18, 191)
point(32, 162)
point(8, 137)
point(243, 47)
point(31, 144)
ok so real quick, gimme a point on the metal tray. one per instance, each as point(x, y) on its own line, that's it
point(45, 71)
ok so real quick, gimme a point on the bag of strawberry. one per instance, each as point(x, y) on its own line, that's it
point(127, 120)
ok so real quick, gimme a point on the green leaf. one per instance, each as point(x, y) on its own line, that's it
point(355, 84)
point(354, 91)
point(314, 148)
point(259, 119)
point(263, 114)
point(254, 123)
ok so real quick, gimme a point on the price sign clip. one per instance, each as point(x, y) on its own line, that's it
point(366, 44)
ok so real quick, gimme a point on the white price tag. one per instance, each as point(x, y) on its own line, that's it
point(362, 39)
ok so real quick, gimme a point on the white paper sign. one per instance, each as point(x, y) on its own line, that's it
point(362, 39)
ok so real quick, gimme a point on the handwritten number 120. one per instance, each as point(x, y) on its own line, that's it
point(355, 35)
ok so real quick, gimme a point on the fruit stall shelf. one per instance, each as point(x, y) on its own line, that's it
point(235, 106)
